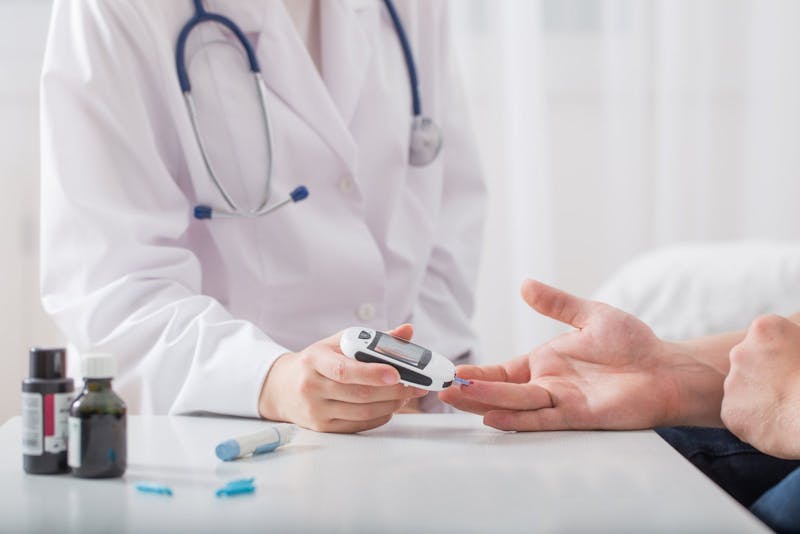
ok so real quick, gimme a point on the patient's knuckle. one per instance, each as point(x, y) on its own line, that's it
point(728, 384)
point(766, 326)
point(738, 355)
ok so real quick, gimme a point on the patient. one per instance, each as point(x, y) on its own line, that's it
point(614, 373)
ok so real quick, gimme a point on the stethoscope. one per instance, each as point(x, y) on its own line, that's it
point(424, 146)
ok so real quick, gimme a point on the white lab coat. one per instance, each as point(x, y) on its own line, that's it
point(197, 311)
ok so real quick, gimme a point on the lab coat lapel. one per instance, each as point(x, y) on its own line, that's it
point(290, 73)
point(345, 52)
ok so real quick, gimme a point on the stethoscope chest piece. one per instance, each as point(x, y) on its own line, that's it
point(426, 141)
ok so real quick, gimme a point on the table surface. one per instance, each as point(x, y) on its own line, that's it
point(426, 473)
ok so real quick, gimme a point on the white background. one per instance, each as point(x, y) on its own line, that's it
point(607, 128)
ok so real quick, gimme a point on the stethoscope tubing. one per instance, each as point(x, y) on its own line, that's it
point(416, 104)
point(200, 16)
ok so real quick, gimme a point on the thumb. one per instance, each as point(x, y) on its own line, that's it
point(557, 304)
point(404, 331)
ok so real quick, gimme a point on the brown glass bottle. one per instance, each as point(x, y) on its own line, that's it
point(97, 423)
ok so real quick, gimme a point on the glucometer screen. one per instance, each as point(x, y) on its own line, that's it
point(403, 351)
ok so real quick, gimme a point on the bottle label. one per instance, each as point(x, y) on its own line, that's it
point(74, 446)
point(56, 413)
point(32, 424)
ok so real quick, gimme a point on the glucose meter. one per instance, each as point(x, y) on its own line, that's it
point(418, 366)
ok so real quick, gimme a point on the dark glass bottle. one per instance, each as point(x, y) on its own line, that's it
point(46, 397)
point(97, 423)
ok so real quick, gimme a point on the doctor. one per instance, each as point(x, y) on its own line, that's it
point(234, 314)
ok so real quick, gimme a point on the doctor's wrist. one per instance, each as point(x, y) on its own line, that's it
point(269, 405)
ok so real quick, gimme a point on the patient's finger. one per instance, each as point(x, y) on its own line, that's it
point(453, 397)
point(504, 395)
point(557, 304)
point(482, 372)
point(514, 370)
point(533, 420)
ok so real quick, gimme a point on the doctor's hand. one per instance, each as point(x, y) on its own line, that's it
point(610, 373)
point(322, 389)
point(762, 389)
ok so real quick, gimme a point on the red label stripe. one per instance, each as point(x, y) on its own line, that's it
point(49, 415)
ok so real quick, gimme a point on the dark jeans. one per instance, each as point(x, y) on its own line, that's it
point(769, 486)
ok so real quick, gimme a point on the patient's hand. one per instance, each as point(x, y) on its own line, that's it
point(611, 373)
point(762, 391)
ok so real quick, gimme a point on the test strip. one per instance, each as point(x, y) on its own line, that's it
point(153, 487)
point(462, 381)
point(237, 487)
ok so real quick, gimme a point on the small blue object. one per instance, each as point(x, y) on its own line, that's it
point(300, 193)
point(242, 482)
point(461, 381)
point(237, 487)
point(230, 492)
point(202, 212)
point(153, 487)
point(228, 450)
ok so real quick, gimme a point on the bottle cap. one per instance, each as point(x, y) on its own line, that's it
point(47, 363)
point(98, 365)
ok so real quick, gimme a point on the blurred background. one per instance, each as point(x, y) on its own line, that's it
point(608, 129)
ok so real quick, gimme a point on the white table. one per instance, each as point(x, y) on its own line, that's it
point(420, 473)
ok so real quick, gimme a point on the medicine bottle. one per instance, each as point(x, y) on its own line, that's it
point(97, 422)
point(46, 397)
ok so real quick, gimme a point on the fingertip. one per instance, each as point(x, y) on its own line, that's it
point(404, 331)
point(531, 290)
point(473, 389)
point(468, 372)
point(528, 285)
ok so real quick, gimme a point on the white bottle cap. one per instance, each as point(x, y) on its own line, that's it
point(98, 365)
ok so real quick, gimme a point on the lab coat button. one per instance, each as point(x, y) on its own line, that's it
point(346, 184)
point(366, 312)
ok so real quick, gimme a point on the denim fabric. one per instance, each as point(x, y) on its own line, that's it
point(744, 472)
point(780, 507)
